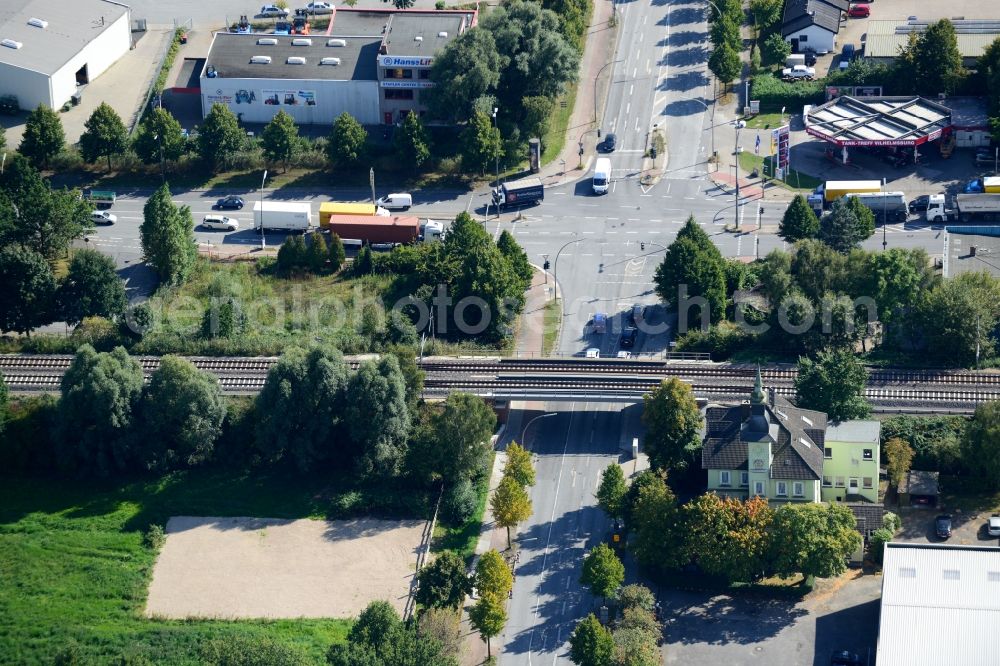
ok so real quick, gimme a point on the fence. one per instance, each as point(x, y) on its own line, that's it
point(179, 25)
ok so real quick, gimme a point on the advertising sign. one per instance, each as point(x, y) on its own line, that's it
point(406, 83)
point(868, 91)
point(404, 61)
point(781, 147)
point(220, 97)
point(289, 97)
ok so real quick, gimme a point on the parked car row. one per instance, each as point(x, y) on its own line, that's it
point(275, 11)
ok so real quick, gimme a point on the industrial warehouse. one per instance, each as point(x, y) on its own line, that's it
point(373, 64)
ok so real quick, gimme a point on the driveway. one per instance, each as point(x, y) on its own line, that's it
point(968, 528)
point(840, 614)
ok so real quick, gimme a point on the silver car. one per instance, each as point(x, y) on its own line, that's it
point(220, 223)
point(103, 217)
point(273, 11)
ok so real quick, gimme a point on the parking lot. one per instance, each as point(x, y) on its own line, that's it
point(840, 614)
point(968, 528)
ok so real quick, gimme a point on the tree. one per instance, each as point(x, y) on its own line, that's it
point(444, 626)
point(602, 571)
point(292, 254)
point(301, 409)
point(100, 395)
point(898, 458)
point(537, 111)
point(591, 644)
point(43, 137)
point(29, 289)
point(362, 264)
point(898, 279)
point(981, 446)
point(728, 537)
point(337, 254)
point(91, 288)
point(317, 252)
point(482, 143)
point(280, 139)
point(765, 14)
point(453, 444)
point(443, 583)
point(726, 31)
point(167, 236)
point(876, 546)
point(636, 596)
point(725, 63)
point(375, 626)
point(377, 417)
point(673, 423)
point(516, 257)
point(346, 143)
point(493, 575)
point(401, 4)
point(959, 316)
point(799, 220)
point(465, 70)
point(937, 60)
point(847, 225)
point(813, 539)
point(833, 383)
point(182, 414)
point(510, 504)
point(220, 136)
point(488, 616)
point(636, 646)
point(105, 135)
point(611, 493)
point(692, 262)
point(519, 466)
point(989, 67)
point(657, 528)
point(159, 137)
point(776, 49)
point(412, 142)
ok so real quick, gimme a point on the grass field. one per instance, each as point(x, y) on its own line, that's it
point(555, 138)
point(552, 319)
point(74, 565)
point(794, 181)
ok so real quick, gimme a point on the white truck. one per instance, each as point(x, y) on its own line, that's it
point(602, 175)
point(282, 216)
point(966, 208)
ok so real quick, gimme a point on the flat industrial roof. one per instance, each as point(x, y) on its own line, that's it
point(940, 604)
point(958, 258)
point(878, 121)
point(886, 38)
point(72, 24)
point(230, 55)
point(401, 38)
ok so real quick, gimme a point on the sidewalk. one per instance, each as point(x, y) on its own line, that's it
point(531, 326)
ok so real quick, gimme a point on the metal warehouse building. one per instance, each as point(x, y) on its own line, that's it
point(49, 49)
point(373, 64)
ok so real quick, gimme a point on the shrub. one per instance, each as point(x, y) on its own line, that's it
point(876, 546)
point(774, 93)
point(891, 522)
point(721, 341)
point(459, 502)
point(154, 537)
point(935, 440)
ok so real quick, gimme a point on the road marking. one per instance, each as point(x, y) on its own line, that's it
point(631, 88)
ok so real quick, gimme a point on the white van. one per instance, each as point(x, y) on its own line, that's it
point(602, 175)
point(399, 201)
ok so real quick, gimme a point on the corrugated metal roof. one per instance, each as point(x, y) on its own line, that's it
point(940, 605)
point(886, 37)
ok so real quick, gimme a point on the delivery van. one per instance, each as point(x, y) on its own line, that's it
point(398, 201)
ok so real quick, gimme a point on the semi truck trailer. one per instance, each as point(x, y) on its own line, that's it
point(375, 228)
point(282, 216)
point(887, 206)
point(329, 208)
point(524, 192)
point(831, 190)
point(966, 208)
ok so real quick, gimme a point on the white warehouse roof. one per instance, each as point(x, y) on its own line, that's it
point(63, 28)
point(940, 605)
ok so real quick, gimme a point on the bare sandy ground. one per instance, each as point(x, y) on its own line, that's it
point(272, 568)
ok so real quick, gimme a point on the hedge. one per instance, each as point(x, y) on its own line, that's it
point(774, 93)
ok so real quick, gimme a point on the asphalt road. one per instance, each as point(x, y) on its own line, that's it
point(572, 449)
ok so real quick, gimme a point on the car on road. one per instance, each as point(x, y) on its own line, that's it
point(610, 143)
point(859, 11)
point(993, 526)
point(799, 73)
point(942, 526)
point(593, 352)
point(845, 658)
point(230, 203)
point(319, 8)
point(273, 11)
point(635, 314)
point(919, 205)
point(600, 323)
point(624, 354)
point(103, 217)
point(220, 223)
point(629, 336)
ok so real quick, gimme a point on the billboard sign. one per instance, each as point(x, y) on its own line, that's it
point(404, 61)
point(289, 97)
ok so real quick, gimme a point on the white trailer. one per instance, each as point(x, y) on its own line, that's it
point(282, 216)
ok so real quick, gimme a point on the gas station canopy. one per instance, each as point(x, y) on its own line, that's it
point(878, 121)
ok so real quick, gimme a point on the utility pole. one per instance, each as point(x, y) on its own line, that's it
point(496, 151)
point(371, 182)
point(263, 232)
point(739, 124)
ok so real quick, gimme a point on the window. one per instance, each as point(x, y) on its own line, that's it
point(797, 489)
point(399, 73)
point(724, 478)
point(827, 481)
point(398, 94)
point(803, 39)
point(782, 489)
point(866, 482)
point(828, 453)
point(758, 487)
point(744, 479)
point(840, 482)
point(425, 73)
point(867, 454)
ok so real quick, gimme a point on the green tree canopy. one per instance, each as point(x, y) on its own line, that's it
point(337, 253)
point(159, 131)
point(219, 136)
point(799, 220)
point(455, 445)
point(91, 288)
point(981, 447)
point(375, 626)
point(725, 63)
point(726, 31)
point(97, 410)
point(488, 616)
point(493, 575)
point(879, 538)
point(413, 142)
point(443, 583)
point(834, 383)
point(591, 644)
point(378, 417)
point(657, 529)
point(105, 135)
point(959, 317)
point(847, 225)
point(899, 280)
point(602, 571)
point(898, 459)
point(465, 70)
point(167, 236)
point(673, 423)
point(693, 262)
point(813, 539)
point(989, 67)
point(519, 465)
point(510, 504)
point(481, 142)
point(612, 491)
point(516, 257)
point(937, 60)
point(728, 537)
point(29, 289)
point(43, 136)
point(636, 596)
point(280, 139)
point(765, 14)
point(346, 143)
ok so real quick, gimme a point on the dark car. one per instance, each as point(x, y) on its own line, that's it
point(942, 526)
point(628, 337)
point(919, 205)
point(610, 143)
point(845, 658)
point(810, 58)
point(230, 202)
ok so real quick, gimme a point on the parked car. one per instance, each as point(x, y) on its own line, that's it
point(593, 352)
point(810, 57)
point(231, 202)
point(919, 205)
point(629, 336)
point(986, 156)
point(942, 526)
point(859, 11)
point(273, 11)
point(220, 223)
point(845, 658)
point(799, 73)
point(993, 526)
point(103, 217)
point(610, 143)
point(624, 354)
point(319, 8)
point(847, 52)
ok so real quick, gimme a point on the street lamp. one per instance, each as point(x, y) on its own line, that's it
point(263, 232)
point(884, 240)
point(695, 99)
point(738, 124)
point(555, 276)
point(524, 431)
point(496, 150)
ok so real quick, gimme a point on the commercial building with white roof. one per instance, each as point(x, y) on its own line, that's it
point(940, 605)
point(48, 50)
